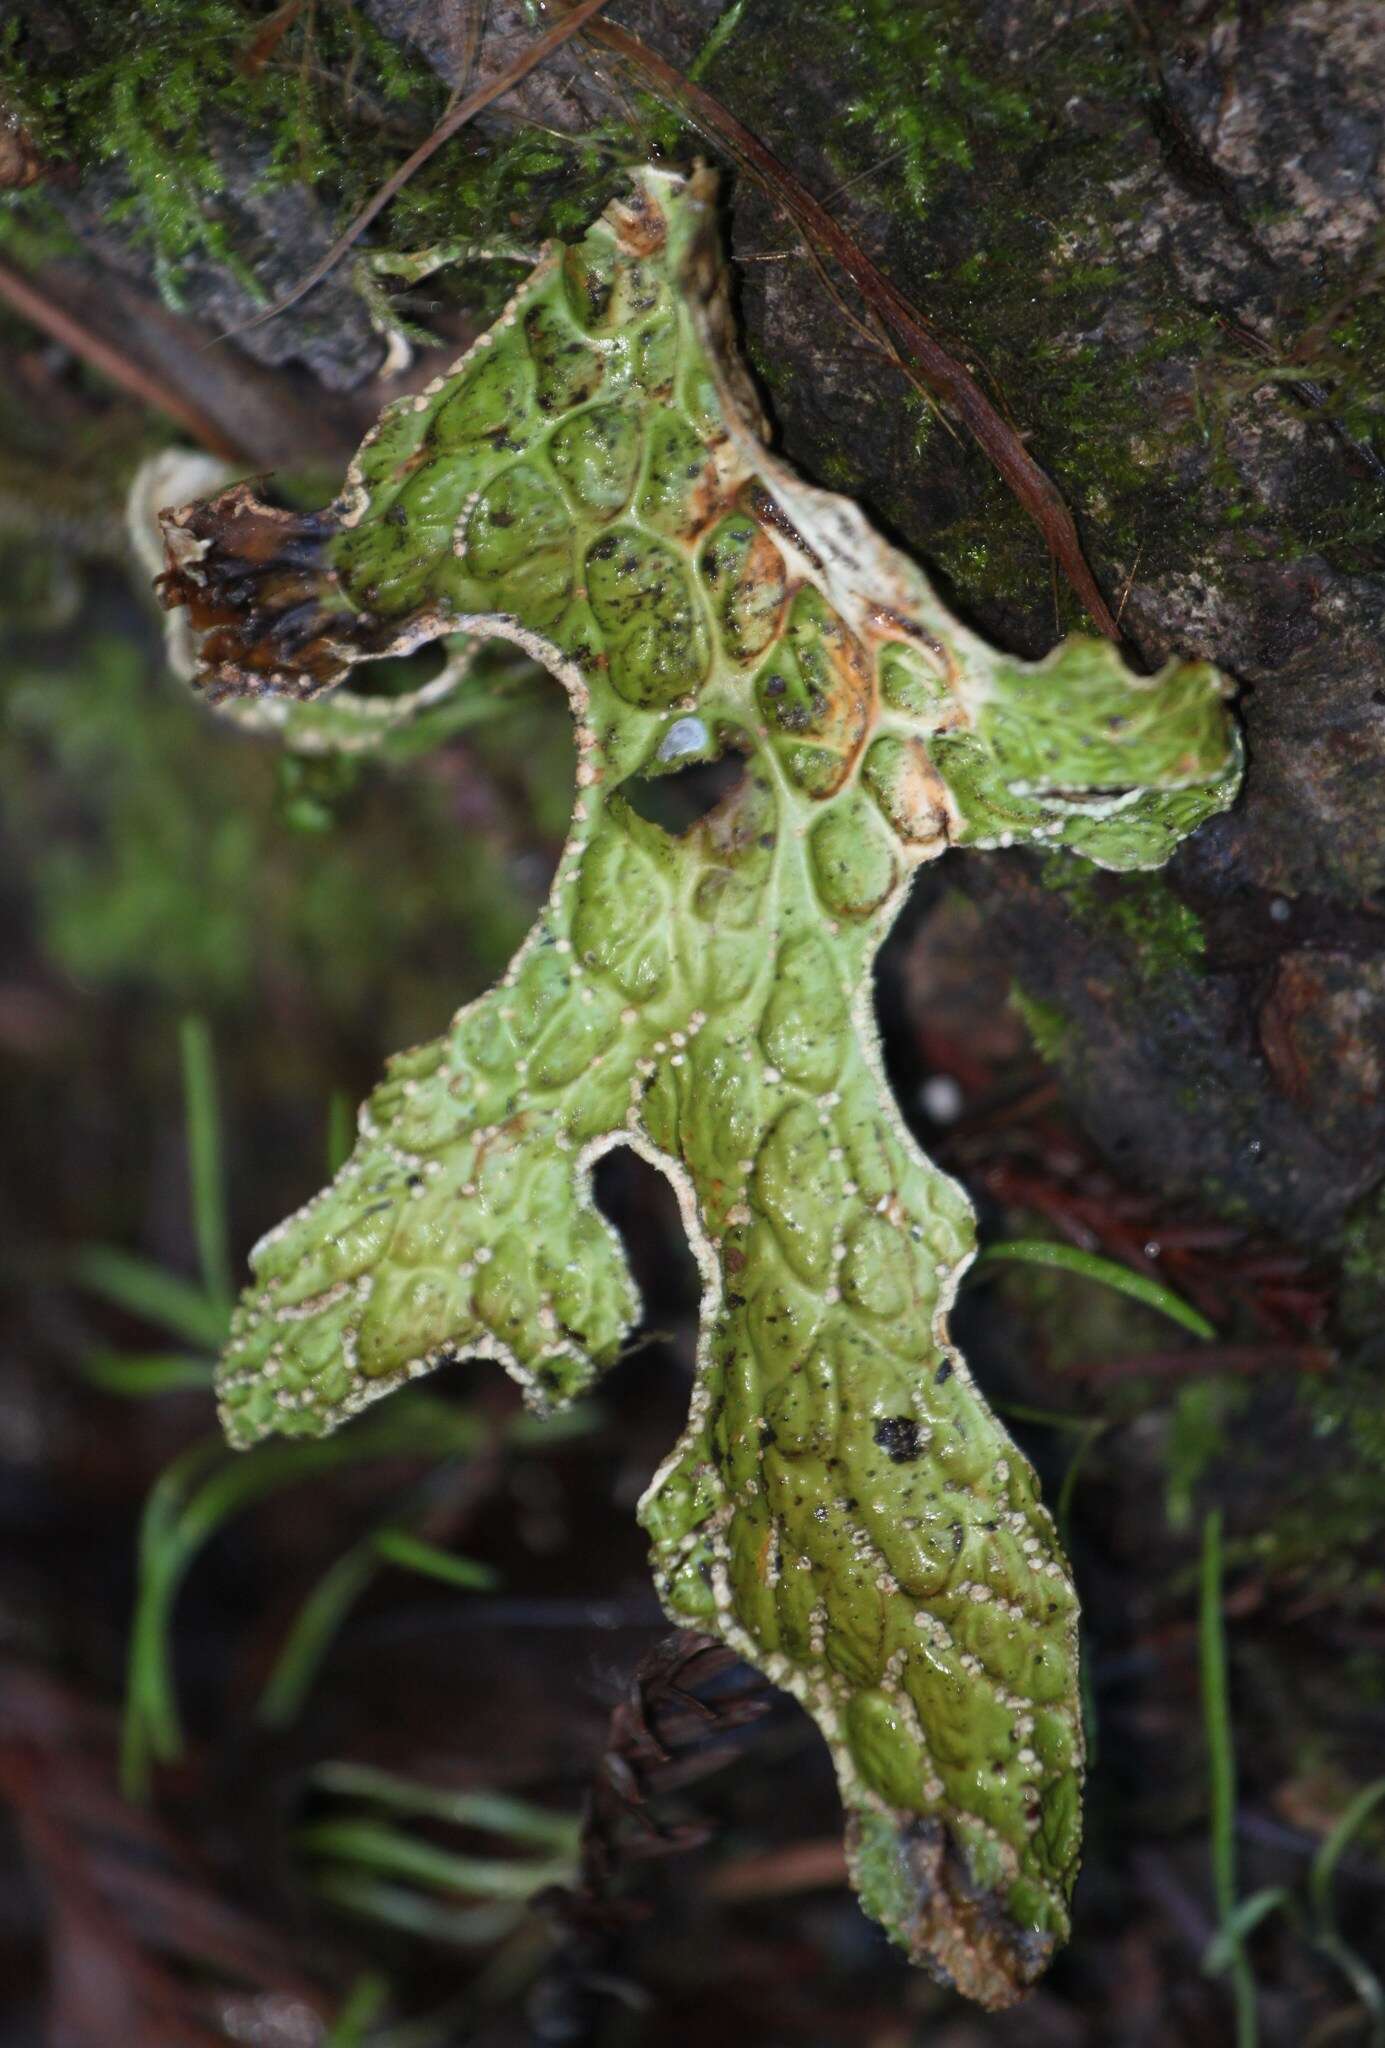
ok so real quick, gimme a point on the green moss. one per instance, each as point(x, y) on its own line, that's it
point(1045, 1023)
point(147, 89)
point(948, 112)
point(1158, 931)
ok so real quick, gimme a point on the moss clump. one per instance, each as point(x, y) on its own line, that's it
point(145, 88)
point(148, 93)
point(949, 111)
point(1158, 931)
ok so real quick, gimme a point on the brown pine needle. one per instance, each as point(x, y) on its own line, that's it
point(493, 89)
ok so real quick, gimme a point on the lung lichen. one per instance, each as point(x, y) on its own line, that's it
point(591, 482)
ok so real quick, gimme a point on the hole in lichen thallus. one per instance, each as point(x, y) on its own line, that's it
point(686, 781)
point(638, 1199)
point(399, 675)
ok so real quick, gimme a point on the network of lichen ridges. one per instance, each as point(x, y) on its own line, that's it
point(843, 1506)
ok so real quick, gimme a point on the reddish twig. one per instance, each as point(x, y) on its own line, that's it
point(121, 369)
point(142, 1947)
point(269, 38)
point(1202, 1361)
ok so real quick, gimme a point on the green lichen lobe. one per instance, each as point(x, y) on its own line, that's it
point(843, 1507)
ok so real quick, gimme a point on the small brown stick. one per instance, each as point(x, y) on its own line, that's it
point(472, 105)
point(120, 369)
point(781, 1873)
point(269, 38)
point(945, 376)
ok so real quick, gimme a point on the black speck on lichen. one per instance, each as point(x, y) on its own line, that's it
point(898, 1438)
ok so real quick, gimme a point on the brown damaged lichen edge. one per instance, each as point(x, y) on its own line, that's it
point(591, 482)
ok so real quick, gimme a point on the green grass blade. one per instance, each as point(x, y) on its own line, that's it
point(1363, 1981)
point(341, 1130)
point(1325, 1863)
point(139, 1378)
point(1225, 1946)
point(1221, 1760)
point(362, 2007)
point(372, 1845)
point(151, 1727)
point(398, 1547)
point(1067, 1258)
point(1062, 1512)
point(316, 1624)
point(144, 1289)
point(415, 1913)
point(1358, 1972)
point(205, 1167)
point(1047, 1418)
point(178, 1522)
point(496, 1813)
point(545, 1432)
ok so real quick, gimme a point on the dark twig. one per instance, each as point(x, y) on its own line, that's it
point(662, 1735)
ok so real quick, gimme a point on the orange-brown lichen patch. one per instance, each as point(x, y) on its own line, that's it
point(884, 625)
point(639, 224)
point(711, 499)
point(909, 790)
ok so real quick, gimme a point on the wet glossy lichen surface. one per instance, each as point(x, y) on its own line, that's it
point(843, 1507)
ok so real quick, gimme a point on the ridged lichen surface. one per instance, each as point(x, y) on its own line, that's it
point(592, 482)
